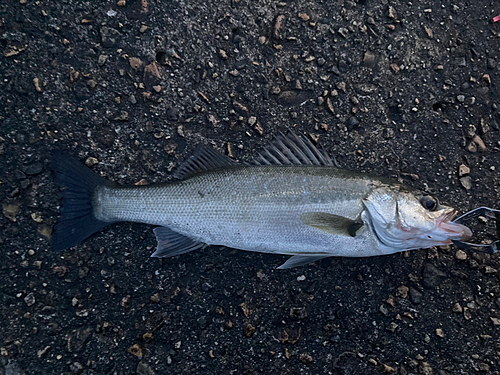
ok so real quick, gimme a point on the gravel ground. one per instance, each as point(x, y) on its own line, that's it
point(406, 90)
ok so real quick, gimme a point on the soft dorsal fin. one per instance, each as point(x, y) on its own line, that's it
point(203, 158)
point(330, 223)
point(291, 149)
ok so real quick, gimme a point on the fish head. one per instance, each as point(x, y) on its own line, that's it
point(404, 219)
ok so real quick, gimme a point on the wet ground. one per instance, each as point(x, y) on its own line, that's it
point(407, 90)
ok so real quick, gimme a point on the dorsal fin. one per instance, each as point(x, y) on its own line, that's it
point(203, 158)
point(291, 149)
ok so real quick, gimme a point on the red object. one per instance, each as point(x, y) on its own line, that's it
point(496, 19)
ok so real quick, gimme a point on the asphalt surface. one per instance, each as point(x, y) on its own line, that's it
point(407, 90)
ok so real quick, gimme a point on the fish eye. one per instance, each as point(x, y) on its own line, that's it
point(429, 202)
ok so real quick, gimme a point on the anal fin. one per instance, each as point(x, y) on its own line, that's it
point(171, 243)
point(301, 260)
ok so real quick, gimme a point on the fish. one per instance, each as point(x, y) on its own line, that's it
point(291, 199)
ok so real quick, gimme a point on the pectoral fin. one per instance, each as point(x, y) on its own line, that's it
point(330, 223)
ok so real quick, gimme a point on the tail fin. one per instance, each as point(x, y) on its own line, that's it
point(78, 183)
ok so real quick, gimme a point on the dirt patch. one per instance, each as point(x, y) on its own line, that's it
point(403, 90)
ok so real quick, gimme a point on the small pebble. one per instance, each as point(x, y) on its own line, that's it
point(429, 32)
point(425, 368)
point(344, 32)
point(76, 367)
point(403, 291)
point(466, 182)
point(352, 123)
point(92, 84)
point(463, 170)
point(135, 63)
point(148, 336)
point(392, 327)
point(37, 217)
point(467, 313)
point(486, 79)
point(492, 64)
point(37, 83)
point(298, 313)
point(489, 269)
point(30, 299)
point(223, 54)
point(91, 161)
point(392, 12)
point(102, 59)
point(249, 330)
point(369, 60)
point(306, 358)
point(144, 369)
point(275, 90)
point(461, 255)
point(43, 351)
point(388, 369)
point(135, 350)
point(479, 142)
point(10, 211)
point(416, 296)
point(33, 169)
point(484, 367)
point(252, 120)
point(383, 309)
point(304, 17)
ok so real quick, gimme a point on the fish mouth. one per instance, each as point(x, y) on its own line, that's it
point(453, 231)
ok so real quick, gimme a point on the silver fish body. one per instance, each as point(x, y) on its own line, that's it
point(308, 209)
point(256, 208)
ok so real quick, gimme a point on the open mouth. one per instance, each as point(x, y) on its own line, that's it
point(454, 231)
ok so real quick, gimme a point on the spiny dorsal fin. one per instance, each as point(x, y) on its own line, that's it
point(203, 158)
point(171, 243)
point(291, 149)
point(333, 224)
